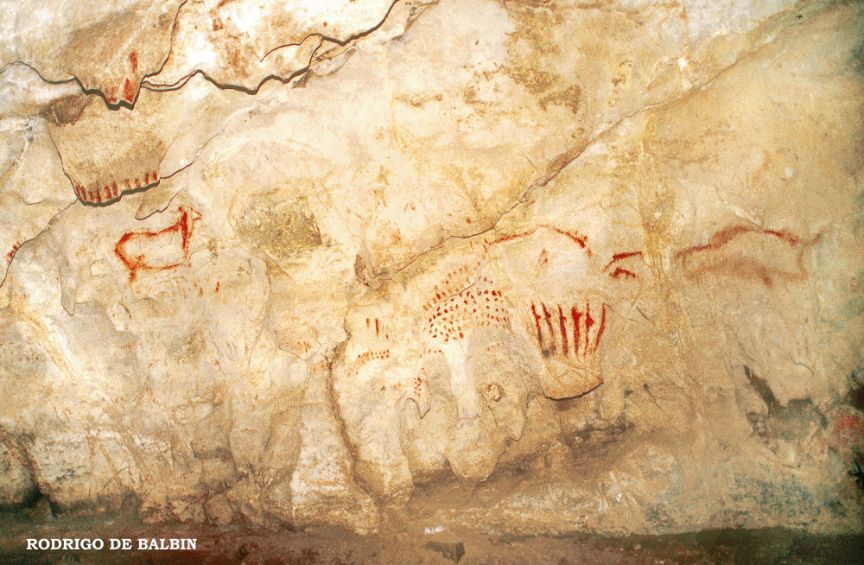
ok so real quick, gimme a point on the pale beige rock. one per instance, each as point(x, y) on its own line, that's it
point(243, 43)
point(519, 267)
point(106, 47)
point(16, 485)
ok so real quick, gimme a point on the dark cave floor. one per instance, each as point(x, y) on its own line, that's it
point(337, 547)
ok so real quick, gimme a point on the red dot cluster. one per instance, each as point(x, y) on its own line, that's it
point(453, 283)
point(453, 316)
point(372, 356)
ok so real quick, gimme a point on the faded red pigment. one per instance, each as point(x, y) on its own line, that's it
point(183, 226)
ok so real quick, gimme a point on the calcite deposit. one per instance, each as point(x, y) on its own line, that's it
point(524, 267)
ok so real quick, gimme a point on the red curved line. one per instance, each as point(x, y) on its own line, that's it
point(622, 256)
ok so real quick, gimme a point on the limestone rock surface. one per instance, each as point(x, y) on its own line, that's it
point(529, 267)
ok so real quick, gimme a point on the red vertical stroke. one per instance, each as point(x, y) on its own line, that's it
point(537, 324)
point(576, 315)
point(602, 327)
point(562, 325)
point(548, 318)
point(184, 230)
point(128, 89)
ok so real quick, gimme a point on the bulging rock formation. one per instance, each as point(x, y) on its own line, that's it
point(593, 267)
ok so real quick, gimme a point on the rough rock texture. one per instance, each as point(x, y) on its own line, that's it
point(529, 267)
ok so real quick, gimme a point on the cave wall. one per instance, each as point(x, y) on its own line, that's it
point(595, 266)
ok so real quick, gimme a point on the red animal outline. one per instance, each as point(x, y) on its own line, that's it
point(744, 267)
point(183, 225)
